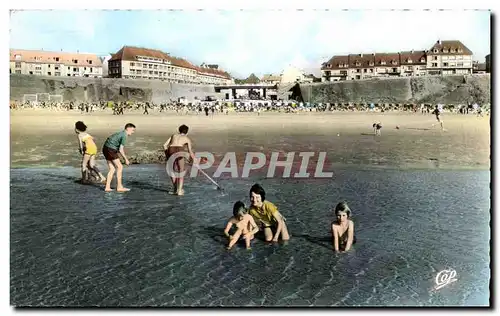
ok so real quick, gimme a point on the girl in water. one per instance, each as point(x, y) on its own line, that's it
point(88, 149)
point(343, 228)
point(245, 224)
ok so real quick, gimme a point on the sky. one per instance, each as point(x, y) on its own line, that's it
point(250, 41)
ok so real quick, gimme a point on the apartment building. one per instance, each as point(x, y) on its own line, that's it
point(444, 58)
point(449, 58)
point(60, 64)
point(141, 63)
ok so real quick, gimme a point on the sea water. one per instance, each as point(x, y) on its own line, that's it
point(74, 245)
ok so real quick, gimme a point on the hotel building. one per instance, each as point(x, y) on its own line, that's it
point(58, 64)
point(141, 63)
point(444, 58)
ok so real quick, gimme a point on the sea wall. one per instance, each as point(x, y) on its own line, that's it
point(106, 89)
point(447, 90)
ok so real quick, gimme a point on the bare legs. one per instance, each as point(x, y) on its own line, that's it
point(113, 166)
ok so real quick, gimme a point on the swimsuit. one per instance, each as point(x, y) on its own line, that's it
point(343, 239)
point(89, 146)
point(172, 150)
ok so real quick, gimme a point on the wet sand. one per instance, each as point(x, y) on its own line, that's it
point(47, 138)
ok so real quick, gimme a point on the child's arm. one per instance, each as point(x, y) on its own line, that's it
point(190, 149)
point(335, 237)
point(167, 143)
point(80, 144)
point(253, 226)
point(228, 227)
point(235, 238)
point(350, 236)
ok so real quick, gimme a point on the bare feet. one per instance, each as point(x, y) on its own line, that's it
point(172, 191)
point(108, 190)
point(180, 192)
point(122, 190)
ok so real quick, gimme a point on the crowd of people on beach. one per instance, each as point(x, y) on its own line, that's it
point(208, 108)
point(262, 215)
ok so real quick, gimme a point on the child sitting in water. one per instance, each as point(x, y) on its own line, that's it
point(343, 228)
point(245, 224)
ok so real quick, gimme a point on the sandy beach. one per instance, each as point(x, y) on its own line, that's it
point(47, 138)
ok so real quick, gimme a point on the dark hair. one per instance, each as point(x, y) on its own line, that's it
point(183, 129)
point(239, 207)
point(343, 207)
point(128, 125)
point(80, 126)
point(257, 189)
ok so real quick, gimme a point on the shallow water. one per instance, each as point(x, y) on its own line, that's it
point(74, 245)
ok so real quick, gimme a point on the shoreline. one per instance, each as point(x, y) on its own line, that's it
point(408, 141)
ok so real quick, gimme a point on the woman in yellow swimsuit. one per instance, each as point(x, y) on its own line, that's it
point(88, 149)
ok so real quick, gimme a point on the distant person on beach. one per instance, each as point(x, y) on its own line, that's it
point(377, 126)
point(245, 224)
point(176, 144)
point(266, 214)
point(88, 149)
point(112, 149)
point(343, 228)
point(437, 113)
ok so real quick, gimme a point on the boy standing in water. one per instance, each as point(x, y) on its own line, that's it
point(245, 224)
point(88, 149)
point(112, 149)
point(343, 228)
point(175, 144)
point(266, 213)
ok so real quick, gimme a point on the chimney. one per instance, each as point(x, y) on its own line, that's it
point(373, 54)
point(439, 41)
point(360, 55)
point(412, 51)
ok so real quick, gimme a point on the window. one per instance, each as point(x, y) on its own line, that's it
point(132, 64)
point(49, 73)
point(365, 70)
point(445, 50)
point(434, 58)
point(460, 64)
point(84, 68)
point(394, 69)
point(90, 62)
point(371, 63)
point(460, 50)
point(358, 63)
point(57, 73)
point(435, 50)
point(17, 57)
point(155, 67)
point(145, 66)
point(434, 64)
point(445, 64)
point(18, 71)
point(422, 60)
point(18, 65)
point(75, 61)
point(150, 66)
point(38, 68)
point(75, 69)
point(57, 58)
